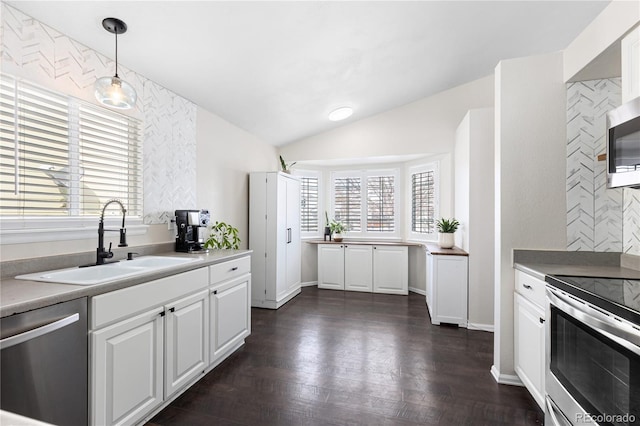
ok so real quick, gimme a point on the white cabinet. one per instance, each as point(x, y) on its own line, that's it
point(391, 269)
point(230, 306)
point(447, 283)
point(529, 338)
point(363, 267)
point(630, 46)
point(126, 369)
point(187, 340)
point(331, 266)
point(274, 237)
point(358, 268)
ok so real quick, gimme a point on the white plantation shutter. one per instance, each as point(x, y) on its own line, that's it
point(347, 201)
point(380, 203)
point(308, 204)
point(60, 156)
point(423, 202)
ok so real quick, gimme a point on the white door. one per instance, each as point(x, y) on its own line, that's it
point(529, 346)
point(358, 267)
point(187, 340)
point(294, 254)
point(230, 315)
point(126, 369)
point(391, 269)
point(331, 266)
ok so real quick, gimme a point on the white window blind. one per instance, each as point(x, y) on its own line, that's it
point(60, 156)
point(380, 203)
point(347, 201)
point(309, 204)
point(423, 202)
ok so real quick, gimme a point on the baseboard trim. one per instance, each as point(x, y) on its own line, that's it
point(309, 284)
point(481, 327)
point(505, 379)
point(418, 290)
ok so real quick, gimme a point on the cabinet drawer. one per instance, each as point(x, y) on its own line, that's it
point(531, 288)
point(118, 304)
point(230, 269)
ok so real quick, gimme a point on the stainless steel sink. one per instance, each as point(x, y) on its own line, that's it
point(108, 272)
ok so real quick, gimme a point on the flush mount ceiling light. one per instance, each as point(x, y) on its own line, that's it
point(112, 91)
point(340, 113)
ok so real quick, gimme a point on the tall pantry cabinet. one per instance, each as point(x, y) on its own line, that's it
point(274, 237)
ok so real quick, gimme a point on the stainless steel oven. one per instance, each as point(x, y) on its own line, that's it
point(593, 352)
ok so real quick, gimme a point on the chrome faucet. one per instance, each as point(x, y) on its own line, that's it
point(101, 253)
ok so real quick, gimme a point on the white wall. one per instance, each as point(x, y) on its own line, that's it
point(474, 209)
point(226, 155)
point(530, 159)
point(426, 126)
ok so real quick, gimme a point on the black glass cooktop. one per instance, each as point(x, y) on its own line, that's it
point(616, 295)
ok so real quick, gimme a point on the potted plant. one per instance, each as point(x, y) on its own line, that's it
point(286, 168)
point(223, 236)
point(446, 229)
point(337, 229)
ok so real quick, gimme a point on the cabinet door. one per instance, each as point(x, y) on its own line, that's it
point(630, 47)
point(230, 317)
point(390, 269)
point(126, 369)
point(430, 284)
point(331, 266)
point(529, 346)
point(293, 253)
point(358, 268)
point(187, 340)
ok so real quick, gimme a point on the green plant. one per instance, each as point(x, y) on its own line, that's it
point(337, 227)
point(223, 236)
point(286, 167)
point(447, 226)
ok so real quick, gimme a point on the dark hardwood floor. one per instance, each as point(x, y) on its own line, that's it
point(345, 358)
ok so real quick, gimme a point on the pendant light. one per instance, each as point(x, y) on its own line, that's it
point(113, 91)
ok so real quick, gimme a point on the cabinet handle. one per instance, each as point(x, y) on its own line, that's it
point(172, 309)
point(541, 321)
point(215, 292)
point(162, 313)
point(527, 286)
point(235, 268)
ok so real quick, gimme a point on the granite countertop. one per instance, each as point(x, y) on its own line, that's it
point(18, 296)
point(581, 264)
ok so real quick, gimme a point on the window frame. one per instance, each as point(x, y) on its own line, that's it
point(364, 174)
point(15, 229)
point(415, 169)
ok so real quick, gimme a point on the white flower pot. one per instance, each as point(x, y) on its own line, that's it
point(446, 239)
point(337, 237)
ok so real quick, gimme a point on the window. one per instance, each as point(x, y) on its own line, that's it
point(366, 201)
point(423, 200)
point(309, 204)
point(62, 157)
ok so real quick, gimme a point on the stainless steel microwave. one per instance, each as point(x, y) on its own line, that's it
point(623, 146)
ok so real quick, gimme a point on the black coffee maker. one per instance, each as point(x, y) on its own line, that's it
point(191, 230)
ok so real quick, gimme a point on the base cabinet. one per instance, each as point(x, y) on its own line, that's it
point(127, 369)
point(230, 315)
point(447, 282)
point(364, 267)
point(529, 334)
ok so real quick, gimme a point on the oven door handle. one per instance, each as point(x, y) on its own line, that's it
point(620, 332)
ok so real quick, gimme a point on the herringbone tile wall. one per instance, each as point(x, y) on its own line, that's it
point(40, 54)
point(598, 219)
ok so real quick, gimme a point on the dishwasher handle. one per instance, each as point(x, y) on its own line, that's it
point(37, 332)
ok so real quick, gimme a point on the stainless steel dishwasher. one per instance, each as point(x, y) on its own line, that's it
point(43, 363)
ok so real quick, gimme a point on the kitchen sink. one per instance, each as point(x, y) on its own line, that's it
point(108, 272)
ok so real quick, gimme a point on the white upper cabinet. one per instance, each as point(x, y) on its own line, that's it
point(631, 65)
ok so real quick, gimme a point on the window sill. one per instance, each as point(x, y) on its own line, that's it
point(12, 234)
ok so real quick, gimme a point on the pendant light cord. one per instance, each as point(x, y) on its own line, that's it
point(116, 31)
